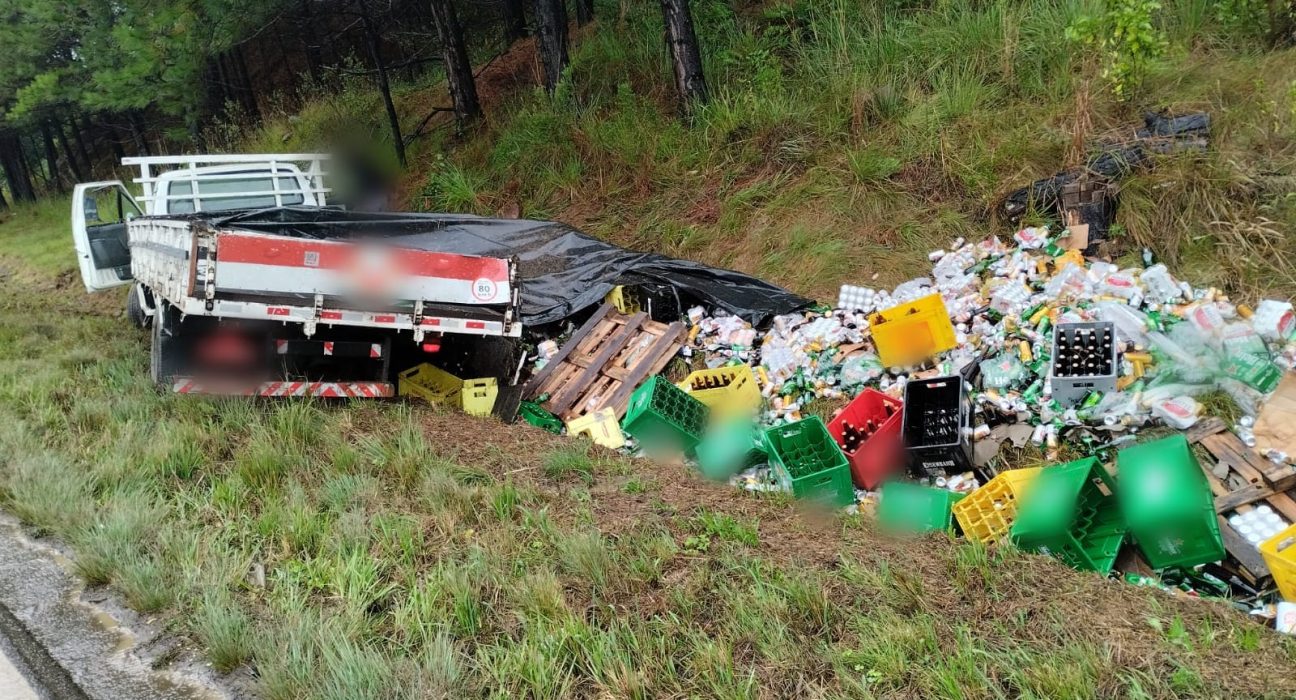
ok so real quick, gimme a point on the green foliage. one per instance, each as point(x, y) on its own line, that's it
point(1247, 17)
point(1128, 38)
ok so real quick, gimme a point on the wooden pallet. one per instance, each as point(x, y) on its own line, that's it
point(1241, 479)
point(603, 362)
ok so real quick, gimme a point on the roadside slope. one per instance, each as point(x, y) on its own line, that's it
point(388, 550)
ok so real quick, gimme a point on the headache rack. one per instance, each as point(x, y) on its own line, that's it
point(185, 169)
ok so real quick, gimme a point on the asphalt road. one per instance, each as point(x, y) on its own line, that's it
point(53, 645)
point(27, 671)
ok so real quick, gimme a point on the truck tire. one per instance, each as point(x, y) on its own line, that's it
point(135, 311)
point(165, 354)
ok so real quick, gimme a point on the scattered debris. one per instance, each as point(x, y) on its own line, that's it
point(918, 402)
point(1088, 195)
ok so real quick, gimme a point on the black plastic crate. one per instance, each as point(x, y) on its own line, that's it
point(937, 426)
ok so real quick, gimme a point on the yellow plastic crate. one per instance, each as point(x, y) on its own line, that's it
point(601, 426)
point(429, 383)
point(728, 391)
point(1279, 553)
point(987, 514)
point(478, 397)
point(909, 333)
point(626, 301)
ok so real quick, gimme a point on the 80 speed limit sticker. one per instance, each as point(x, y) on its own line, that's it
point(483, 289)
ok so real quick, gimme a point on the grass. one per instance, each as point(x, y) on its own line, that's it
point(849, 137)
point(351, 550)
point(398, 560)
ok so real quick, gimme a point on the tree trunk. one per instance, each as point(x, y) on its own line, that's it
point(459, 75)
point(248, 92)
point(11, 161)
point(551, 27)
point(26, 165)
point(514, 21)
point(310, 41)
point(77, 171)
point(584, 11)
point(4, 204)
point(393, 120)
point(114, 142)
point(78, 133)
point(221, 84)
point(51, 157)
point(685, 56)
point(137, 133)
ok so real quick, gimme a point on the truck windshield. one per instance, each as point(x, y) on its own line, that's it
point(251, 192)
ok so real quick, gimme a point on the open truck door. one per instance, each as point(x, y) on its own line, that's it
point(100, 211)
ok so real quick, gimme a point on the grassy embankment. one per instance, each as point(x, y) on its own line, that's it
point(845, 140)
point(408, 551)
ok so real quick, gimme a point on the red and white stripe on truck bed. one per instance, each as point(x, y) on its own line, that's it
point(334, 390)
point(268, 264)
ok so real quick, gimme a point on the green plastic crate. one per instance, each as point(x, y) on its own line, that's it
point(913, 508)
point(809, 463)
point(1167, 503)
point(663, 418)
point(1073, 515)
point(536, 415)
point(729, 448)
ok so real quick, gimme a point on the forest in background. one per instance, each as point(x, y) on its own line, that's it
point(86, 83)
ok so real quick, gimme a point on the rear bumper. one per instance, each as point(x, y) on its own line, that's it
point(332, 390)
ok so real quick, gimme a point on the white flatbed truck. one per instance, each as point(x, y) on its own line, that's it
point(249, 313)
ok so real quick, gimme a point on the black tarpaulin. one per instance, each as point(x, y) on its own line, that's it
point(562, 270)
point(1161, 133)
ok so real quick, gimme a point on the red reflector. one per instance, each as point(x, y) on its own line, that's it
point(431, 322)
point(331, 315)
point(431, 347)
point(276, 311)
point(384, 319)
point(479, 325)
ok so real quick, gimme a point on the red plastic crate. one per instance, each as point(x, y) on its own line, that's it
point(882, 453)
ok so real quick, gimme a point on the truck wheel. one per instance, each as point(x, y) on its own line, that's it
point(165, 354)
point(135, 311)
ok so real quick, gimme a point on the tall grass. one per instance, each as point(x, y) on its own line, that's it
point(925, 114)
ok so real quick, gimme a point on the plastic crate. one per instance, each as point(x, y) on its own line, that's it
point(478, 396)
point(728, 391)
point(1083, 360)
point(911, 508)
point(728, 448)
point(987, 514)
point(937, 426)
point(429, 383)
point(878, 452)
point(809, 463)
point(663, 418)
point(536, 415)
point(1170, 509)
point(1279, 553)
point(1072, 515)
point(626, 300)
point(909, 333)
point(601, 426)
